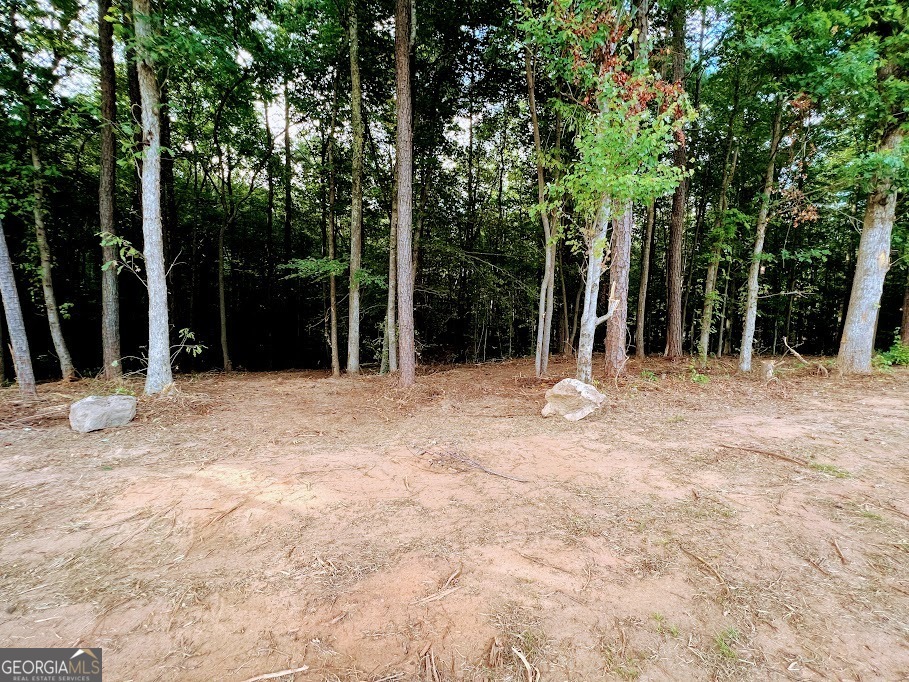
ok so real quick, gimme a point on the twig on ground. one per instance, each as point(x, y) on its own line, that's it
point(458, 457)
point(539, 561)
point(818, 567)
point(428, 669)
point(454, 576)
point(776, 455)
point(280, 673)
point(533, 675)
point(839, 552)
point(713, 571)
point(437, 596)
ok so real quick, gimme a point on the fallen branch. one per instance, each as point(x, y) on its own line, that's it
point(437, 596)
point(839, 552)
point(458, 457)
point(820, 368)
point(713, 571)
point(280, 673)
point(768, 453)
point(818, 567)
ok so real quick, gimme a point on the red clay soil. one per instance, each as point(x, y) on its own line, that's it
point(254, 523)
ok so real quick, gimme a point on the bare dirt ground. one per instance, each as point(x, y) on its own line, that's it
point(264, 522)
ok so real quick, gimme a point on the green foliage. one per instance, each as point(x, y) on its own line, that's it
point(647, 375)
point(897, 354)
point(698, 378)
point(313, 268)
point(623, 118)
point(129, 255)
point(725, 641)
point(188, 344)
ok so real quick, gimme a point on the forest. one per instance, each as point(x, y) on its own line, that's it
point(292, 290)
point(321, 193)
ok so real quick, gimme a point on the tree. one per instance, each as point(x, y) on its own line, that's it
point(875, 88)
point(404, 176)
point(158, 377)
point(356, 199)
point(754, 271)
point(679, 198)
point(626, 121)
point(22, 359)
point(550, 240)
point(872, 263)
point(110, 298)
point(33, 90)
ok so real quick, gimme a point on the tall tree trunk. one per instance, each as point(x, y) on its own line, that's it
point(544, 317)
point(567, 348)
point(22, 359)
point(646, 246)
point(356, 196)
point(330, 233)
point(404, 171)
point(222, 299)
point(135, 118)
point(720, 349)
point(872, 263)
point(679, 199)
point(904, 327)
point(47, 284)
point(168, 199)
point(288, 178)
point(714, 265)
point(596, 255)
point(269, 234)
point(751, 297)
point(391, 315)
point(110, 299)
point(159, 375)
point(619, 269)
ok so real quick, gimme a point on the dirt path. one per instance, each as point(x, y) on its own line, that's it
point(268, 521)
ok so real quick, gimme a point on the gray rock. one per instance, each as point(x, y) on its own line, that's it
point(101, 412)
point(572, 399)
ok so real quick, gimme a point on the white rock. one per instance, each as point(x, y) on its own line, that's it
point(572, 399)
point(101, 412)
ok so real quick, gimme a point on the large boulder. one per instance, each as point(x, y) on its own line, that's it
point(572, 399)
point(101, 412)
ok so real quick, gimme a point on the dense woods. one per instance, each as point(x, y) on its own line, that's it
point(366, 184)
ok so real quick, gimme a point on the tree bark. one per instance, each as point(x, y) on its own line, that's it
point(110, 299)
point(720, 348)
point(596, 256)
point(159, 375)
point(646, 246)
point(391, 315)
point(356, 196)
point(544, 317)
point(22, 359)
point(751, 297)
point(404, 172)
point(330, 234)
point(222, 298)
point(872, 263)
point(288, 178)
point(679, 200)
point(904, 327)
point(619, 269)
